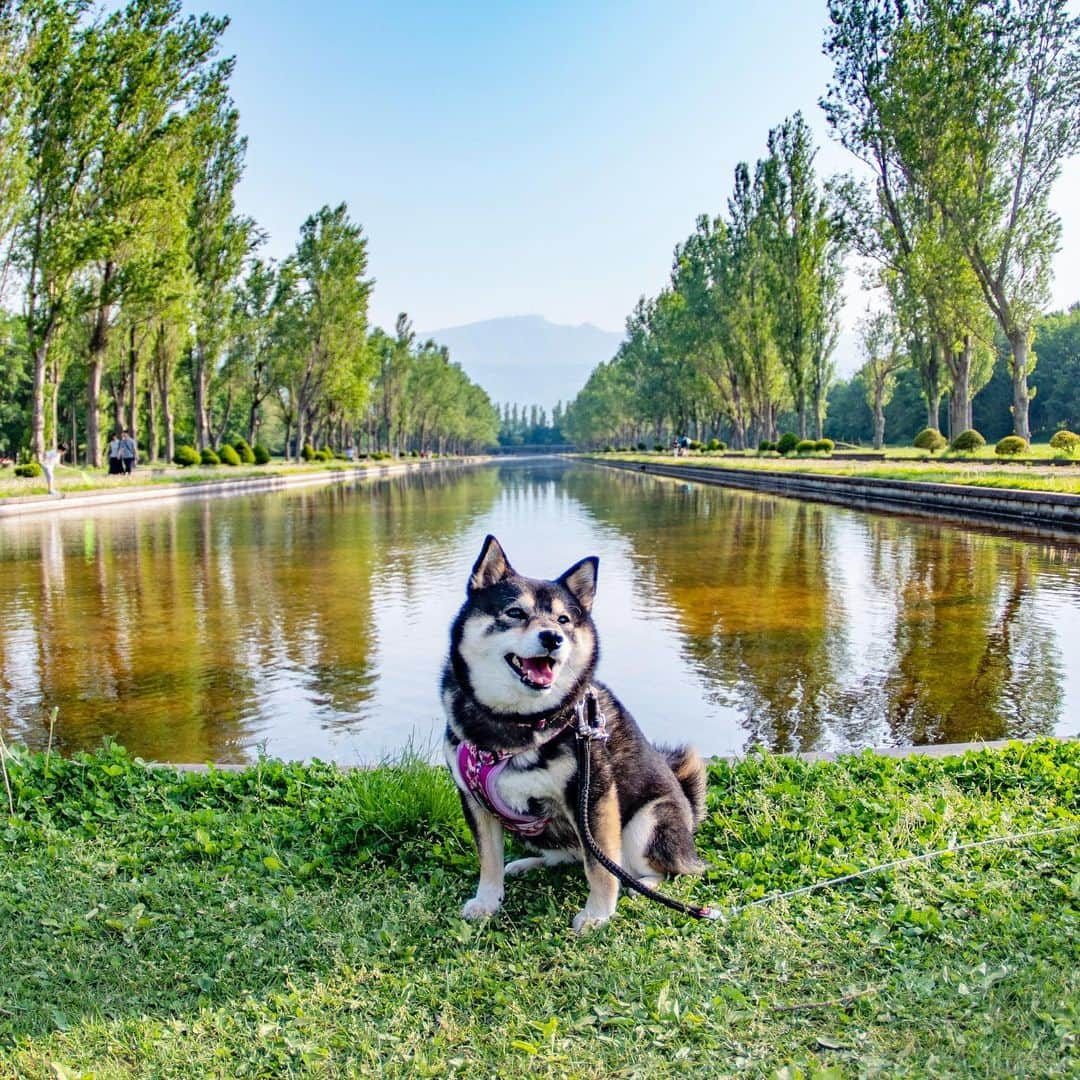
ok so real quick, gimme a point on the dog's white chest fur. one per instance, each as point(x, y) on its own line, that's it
point(517, 785)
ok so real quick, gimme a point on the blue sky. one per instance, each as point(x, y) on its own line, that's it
point(517, 158)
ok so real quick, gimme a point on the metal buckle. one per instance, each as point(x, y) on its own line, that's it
point(591, 722)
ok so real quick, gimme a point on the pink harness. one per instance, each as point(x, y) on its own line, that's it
point(480, 770)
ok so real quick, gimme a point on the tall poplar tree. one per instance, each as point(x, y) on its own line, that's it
point(983, 105)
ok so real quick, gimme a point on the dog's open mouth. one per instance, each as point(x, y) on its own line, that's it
point(536, 672)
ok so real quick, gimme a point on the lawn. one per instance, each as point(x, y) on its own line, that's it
point(302, 920)
point(73, 480)
point(956, 469)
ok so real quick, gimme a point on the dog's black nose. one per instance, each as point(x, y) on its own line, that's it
point(550, 640)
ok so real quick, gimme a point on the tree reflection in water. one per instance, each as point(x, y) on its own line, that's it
point(832, 628)
point(314, 621)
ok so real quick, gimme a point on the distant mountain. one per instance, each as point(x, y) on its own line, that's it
point(525, 359)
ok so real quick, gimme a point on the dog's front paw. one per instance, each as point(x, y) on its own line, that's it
point(586, 920)
point(480, 908)
point(523, 866)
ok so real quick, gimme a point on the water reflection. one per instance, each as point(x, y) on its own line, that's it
point(313, 622)
point(826, 628)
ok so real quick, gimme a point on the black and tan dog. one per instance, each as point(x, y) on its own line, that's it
point(522, 657)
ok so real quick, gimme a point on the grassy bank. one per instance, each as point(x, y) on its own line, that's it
point(937, 471)
point(73, 480)
point(292, 920)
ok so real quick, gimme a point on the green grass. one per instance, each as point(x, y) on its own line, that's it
point(299, 920)
point(74, 480)
point(952, 470)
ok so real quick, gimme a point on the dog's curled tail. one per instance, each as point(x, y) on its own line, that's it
point(689, 770)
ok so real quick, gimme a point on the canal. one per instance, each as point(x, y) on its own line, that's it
point(313, 623)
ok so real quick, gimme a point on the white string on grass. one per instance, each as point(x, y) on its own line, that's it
point(719, 913)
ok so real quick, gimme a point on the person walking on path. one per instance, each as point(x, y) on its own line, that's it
point(128, 453)
point(115, 467)
point(49, 460)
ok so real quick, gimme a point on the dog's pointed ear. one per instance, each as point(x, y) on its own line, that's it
point(580, 579)
point(491, 567)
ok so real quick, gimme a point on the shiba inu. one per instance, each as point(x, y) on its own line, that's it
point(521, 662)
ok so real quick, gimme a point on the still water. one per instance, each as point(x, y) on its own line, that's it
point(313, 623)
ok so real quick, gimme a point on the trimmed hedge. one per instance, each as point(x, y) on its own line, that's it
point(228, 455)
point(1066, 442)
point(787, 442)
point(186, 456)
point(244, 451)
point(930, 439)
point(208, 457)
point(308, 452)
point(967, 441)
point(29, 470)
point(260, 454)
point(1010, 446)
point(824, 446)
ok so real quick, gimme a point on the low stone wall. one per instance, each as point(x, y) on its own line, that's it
point(1032, 509)
point(90, 501)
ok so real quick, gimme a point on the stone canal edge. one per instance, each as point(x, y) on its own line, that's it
point(1038, 510)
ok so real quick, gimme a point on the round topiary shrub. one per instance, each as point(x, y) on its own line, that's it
point(642, 446)
point(824, 446)
point(228, 455)
point(244, 451)
point(658, 448)
point(325, 454)
point(186, 456)
point(716, 445)
point(260, 454)
point(930, 439)
point(766, 446)
point(308, 452)
point(787, 442)
point(805, 446)
point(208, 457)
point(967, 441)
point(1065, 442)
point(609, 449)
point(29, 469)
point(1010, 446)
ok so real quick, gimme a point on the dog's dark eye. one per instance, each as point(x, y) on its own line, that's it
point(516, 613)
point(564, 619)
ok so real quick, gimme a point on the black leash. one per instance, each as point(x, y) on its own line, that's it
point(591, 725)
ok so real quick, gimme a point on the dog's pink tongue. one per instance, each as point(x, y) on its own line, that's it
point(539, 669)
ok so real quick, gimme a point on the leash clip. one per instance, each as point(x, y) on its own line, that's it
point(591, 722)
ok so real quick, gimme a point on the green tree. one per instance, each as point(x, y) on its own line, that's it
point(982, 105)
point(802, 260)
point(883, 359)
point(326, 316)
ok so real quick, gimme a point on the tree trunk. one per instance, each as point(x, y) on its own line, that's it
point(37, 420)
point(960, 397)
point(151, 425)
point(879, 419)
point(1021, 352)
point(93, 419)
point(253, 424)
point(132, 384)
point(933, 410)
point(164, 378)
point(301, 434)
point(199, 390)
